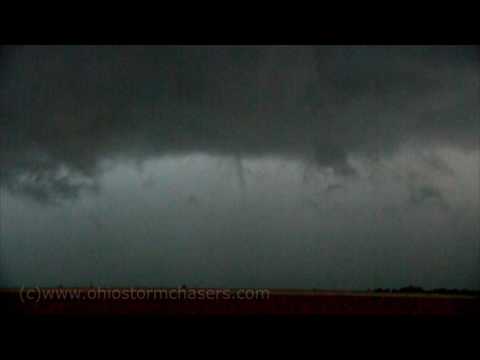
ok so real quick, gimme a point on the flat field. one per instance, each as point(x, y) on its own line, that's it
point(274, 302)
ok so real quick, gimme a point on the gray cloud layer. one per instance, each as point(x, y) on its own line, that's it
point(74, 105)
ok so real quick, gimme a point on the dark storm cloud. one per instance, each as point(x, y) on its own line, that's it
point(45, 187)
point(71, 106)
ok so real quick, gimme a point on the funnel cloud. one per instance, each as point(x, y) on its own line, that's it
point(339, 167)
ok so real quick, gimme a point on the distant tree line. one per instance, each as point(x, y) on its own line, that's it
point(417, 289)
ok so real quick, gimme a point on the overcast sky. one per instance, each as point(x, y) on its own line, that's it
point(296, 167)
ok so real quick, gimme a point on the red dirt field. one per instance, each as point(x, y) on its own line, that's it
point(278, 302)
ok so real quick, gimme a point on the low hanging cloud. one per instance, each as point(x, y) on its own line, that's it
point(72, 106)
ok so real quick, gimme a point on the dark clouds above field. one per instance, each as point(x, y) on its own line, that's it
point(78, 104)
point(397, 112)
